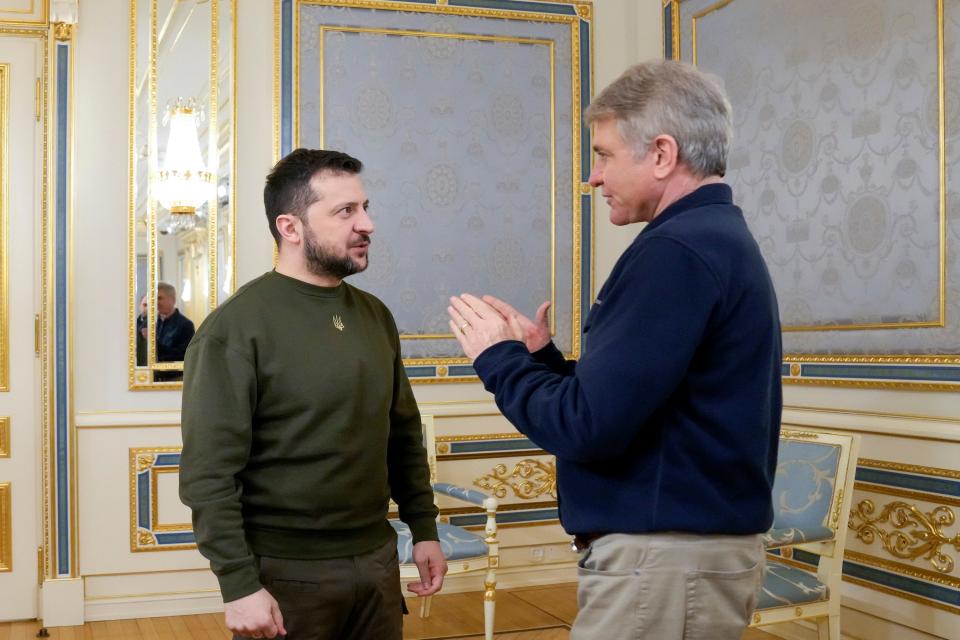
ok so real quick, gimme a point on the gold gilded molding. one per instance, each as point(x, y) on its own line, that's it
point(6, 528)
point(873, 384)
point(5, 437)
point(909, 468)
point(906, 493)
point(925, 536)
point(483, 436)
point(4, 229)
point(62, 31)
point(155, 502)
point(799, 435)
point(529, 479)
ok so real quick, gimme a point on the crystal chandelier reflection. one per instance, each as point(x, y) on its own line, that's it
point(184, 184)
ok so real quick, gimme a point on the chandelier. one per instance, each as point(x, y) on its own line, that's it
point(184, 183)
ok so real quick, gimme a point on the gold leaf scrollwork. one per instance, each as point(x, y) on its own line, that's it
point(528, 479)
point(916, 533)
point(146, 538)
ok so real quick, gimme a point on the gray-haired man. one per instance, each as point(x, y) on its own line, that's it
point(666, 430)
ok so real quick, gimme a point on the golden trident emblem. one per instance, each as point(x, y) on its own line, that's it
point(338, 323)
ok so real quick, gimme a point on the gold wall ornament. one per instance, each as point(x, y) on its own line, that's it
point(145, 461)
point(916, 533)
point(145, 538)
point(529, 479)
point(4, 436)
point(62, 31)
point(6, 528)
point(799, 435)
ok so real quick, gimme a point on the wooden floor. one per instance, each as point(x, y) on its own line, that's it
point(533, 613)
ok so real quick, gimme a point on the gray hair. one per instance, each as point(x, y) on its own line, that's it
point(168, 288)
point(673, 98)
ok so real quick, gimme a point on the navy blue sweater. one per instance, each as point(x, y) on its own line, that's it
point(670, 420)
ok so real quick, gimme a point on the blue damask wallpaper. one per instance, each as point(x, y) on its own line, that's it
point(837, 163)
point(464, 124)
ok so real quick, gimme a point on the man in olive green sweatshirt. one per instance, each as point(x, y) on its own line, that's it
point(299, 425)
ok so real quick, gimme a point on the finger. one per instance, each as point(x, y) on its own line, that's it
point(457, 332)
point(423, 567)
point(480, 307)
point(466, 311)
point(502, 307)
point(278, 619)
point(542, 314)
point(515, 327)
point(269, 630)
point(457, 318)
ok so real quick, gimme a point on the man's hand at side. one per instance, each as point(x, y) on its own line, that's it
point(256, 616)
point(432, 565)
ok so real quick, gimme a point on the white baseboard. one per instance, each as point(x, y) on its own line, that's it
point(118, 608)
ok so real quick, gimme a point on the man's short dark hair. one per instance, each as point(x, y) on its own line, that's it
point(288, 187)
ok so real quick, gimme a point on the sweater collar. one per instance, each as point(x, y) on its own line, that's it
point(714, 193)
point(307, 288)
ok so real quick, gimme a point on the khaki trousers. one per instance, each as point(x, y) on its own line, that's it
point(669, 586)
point(352, 598)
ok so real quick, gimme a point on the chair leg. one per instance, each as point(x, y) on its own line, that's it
point(828, 628)
point(489, 608)
point(425, 606)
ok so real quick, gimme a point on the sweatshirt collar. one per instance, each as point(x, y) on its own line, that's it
point(307, 288)
point(708, 194)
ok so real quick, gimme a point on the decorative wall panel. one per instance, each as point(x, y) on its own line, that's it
point(148, 493)
point(845, 116)
point(468, 119)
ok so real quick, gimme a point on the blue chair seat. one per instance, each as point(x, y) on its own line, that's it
point(784, 585)
point(789, 536)
point(456, 542)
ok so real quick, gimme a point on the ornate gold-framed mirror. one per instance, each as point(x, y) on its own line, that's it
point(182, 169)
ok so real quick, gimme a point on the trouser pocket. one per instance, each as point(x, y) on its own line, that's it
point(720, 603)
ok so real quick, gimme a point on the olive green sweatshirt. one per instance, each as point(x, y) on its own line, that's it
point(299, 425)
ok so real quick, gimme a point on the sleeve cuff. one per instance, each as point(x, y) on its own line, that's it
point(423, 529)
point(489, 358)
point(239, 582)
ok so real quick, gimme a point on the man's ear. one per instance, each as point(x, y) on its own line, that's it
point(666, 152)
point(290, 228)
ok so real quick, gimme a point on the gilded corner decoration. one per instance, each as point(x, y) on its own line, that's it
point(909, 533)
point(903, 537)
point(467, 116)
point(527, 480)
point(840, 162)
point(147, 532)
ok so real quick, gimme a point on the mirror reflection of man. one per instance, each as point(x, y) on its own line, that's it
point(174, 332)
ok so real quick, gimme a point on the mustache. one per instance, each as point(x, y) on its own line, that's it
point(364, 239)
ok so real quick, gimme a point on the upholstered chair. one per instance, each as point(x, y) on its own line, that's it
point(464, 550)
point(811, 500)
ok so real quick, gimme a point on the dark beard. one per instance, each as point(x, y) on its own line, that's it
point(322, 263)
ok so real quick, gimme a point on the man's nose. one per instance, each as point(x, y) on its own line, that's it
point(364, 223)
point(596, 177)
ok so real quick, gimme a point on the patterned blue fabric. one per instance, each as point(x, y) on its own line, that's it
point(804, 485)
point(784, 585)
point(786, 537)
point(456, 542)
point(461, 493)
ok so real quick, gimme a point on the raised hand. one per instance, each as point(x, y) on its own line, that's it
point(536, 332)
